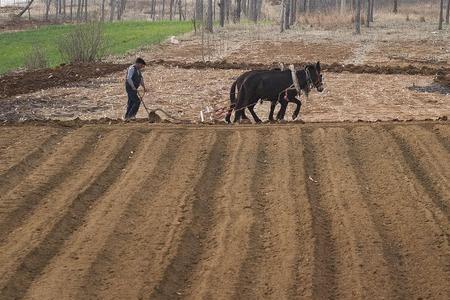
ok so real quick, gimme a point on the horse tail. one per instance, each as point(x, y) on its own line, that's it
point(232, 102)
point(233, 92)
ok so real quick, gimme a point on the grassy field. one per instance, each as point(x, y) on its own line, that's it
point(120, 36)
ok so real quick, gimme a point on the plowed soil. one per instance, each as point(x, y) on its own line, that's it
point(138, 211)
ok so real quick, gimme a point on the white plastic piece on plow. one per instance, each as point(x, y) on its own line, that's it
point(201, 116)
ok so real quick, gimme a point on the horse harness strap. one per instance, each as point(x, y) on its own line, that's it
point(295, 79)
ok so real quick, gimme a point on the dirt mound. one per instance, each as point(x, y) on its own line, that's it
point(31, 81)
point(310, 211)
point(443, 79)
point(334, 67)
point(21, 24)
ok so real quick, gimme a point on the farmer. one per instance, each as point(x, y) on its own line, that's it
point(133, 81)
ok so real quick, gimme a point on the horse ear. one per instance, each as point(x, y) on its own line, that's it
point(318, 66)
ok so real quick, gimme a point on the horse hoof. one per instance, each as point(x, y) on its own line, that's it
point(282, 121)
point(258, 121)
point(245, 121)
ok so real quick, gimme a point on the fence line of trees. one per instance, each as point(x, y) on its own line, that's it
point(204, 11)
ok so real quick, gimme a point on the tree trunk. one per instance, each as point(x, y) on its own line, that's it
point(237, 16)
point(368, 13)
point(282, 14)
point(180, 9)
point(395, 10)
point(447, 15)
point(85, 10)
point(102, 18)
point(71, 10)
point(287, 13)
point(163, 9)
point(441, 15)
point(227, 10)
point(47, 9)
point(209, 17)
point(112, 5)
point(171, 10)
point(78, 10)
point(153, 10)
point(371, 9)
point(199, 10)
point(222, 13)
point(25, 8)
point(358, 17)
point(342, 8)
point(293, 16)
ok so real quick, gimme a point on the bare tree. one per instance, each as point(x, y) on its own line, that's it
point(71, 10)
point(180, 10)
point(293, 16)
point(237, 15)
point(368, 13)
point(371, 10)
point(47, 8)
point(199, 10)
point(163, 9)
point(222, 13)
point(102, 16)
point(25, 8)
point(209, 17)
point(287, 13)
point(358, 17)
point(395, 10)
point(112, 5)
point(85, 11)
point(171, 5)
point(342, 8)
point(441, 15)
point(447, 15)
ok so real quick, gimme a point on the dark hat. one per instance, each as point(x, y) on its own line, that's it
point(140, 61)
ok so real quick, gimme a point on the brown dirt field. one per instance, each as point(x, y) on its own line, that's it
point(184, 92)
point(291, 51)
point(29, 81)
point(139, 211)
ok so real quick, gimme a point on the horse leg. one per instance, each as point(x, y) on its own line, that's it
point(228, 115)
point(237, 116)
point(297, 110)
point(272, 109)
point(254, 115)
point(280, 115)
point(243, 115)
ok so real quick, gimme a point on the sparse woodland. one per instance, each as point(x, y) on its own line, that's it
point(210, 13)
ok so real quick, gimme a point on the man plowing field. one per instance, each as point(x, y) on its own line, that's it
point(134, 80)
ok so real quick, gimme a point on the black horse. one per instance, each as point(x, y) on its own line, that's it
point(276, 86)
point(237, 86)
point(289, 96)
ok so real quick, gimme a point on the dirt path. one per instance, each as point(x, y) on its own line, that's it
point(312, 211)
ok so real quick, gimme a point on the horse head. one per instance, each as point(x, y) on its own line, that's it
point(313, 76)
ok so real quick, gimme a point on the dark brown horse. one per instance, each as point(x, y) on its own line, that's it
point(276, 86)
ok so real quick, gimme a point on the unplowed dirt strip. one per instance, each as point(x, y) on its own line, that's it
point(297, 211)
point(333, 67)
